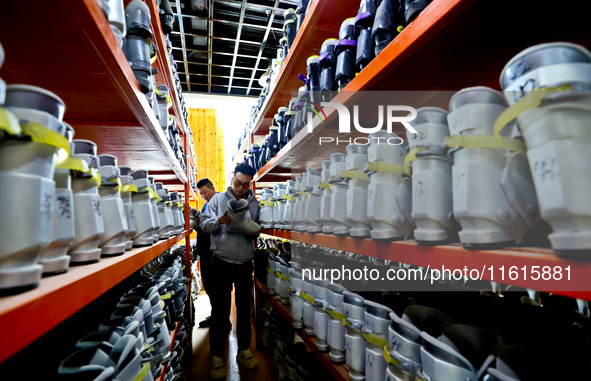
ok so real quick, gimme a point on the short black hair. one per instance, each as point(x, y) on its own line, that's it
point(204, 182)
point(245, 169)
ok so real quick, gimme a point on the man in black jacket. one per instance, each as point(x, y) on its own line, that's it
point(206, 191)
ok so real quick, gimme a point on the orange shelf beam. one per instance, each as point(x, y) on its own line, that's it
point(455, 257)
point(449, 46)
point(27, 316)
point(322, 21)
point(164, 65)
point(173, 334)
point(193, 194)
point(433, 19)
point(89, 71)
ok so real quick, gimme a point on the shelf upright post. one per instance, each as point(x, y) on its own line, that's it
point(188, 192)
point(187, 211)
point(257, 292)
point(252, 183)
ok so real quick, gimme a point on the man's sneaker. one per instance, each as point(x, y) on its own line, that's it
point(247, 359)
point(218, 370)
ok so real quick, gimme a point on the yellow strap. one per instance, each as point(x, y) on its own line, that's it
point(389, 359)
point(373, 339)
point(528, 102)
point(168, 98)
point(355, 175)
point(181, 355)
point(169, 203)
point(336, 314)
point(385, 167)
point(143, 372)
point(153, 58)
point(302, 193)
point(346, 323)
point(308, 298)
point(325, 186)
point(80, 165)
point(129, 188)
point(74, 163)
point(96, 176)
point(178, 203)
point(286, 23)
point(153, 194)
point(411, 156)
point(281, 276)
point(43, 135)
point(166, 296)
point(268, 203)
point(486, 141)
point(9, 122)
point(115, 180)
point(270, 271)
point(290, 198)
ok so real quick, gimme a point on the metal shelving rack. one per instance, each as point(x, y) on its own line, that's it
point(84, 65)
point(451, 45)
point(27, 316)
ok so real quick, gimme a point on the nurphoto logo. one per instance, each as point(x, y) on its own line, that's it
point(386, 114)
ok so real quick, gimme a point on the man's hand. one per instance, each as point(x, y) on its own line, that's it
point(225, 219)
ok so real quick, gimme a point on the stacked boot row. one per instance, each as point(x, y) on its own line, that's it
point(477, 334)
point(360, 39)
point(168, 124)
point(167, 20)
point(132, 29)
point(136, 342)
point(75, 206)
point(497, 170)
point(291, 358)
point(293, 19)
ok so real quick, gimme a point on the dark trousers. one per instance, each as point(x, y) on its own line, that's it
point(223, 275)
point(205, 258)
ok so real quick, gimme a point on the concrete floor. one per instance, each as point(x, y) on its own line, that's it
point(199, 368)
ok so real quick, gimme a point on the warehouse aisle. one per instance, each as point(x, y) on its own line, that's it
point(199, 368)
